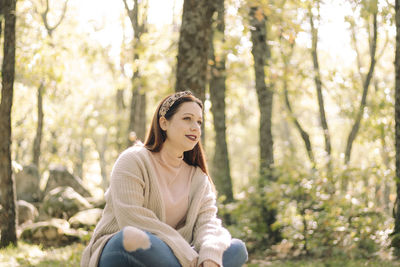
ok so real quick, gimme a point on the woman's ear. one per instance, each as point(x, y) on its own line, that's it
point(163, 123)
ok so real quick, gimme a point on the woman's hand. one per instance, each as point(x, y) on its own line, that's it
point(209, 263)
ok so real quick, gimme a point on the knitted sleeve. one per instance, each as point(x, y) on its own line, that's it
point(210, 238)
point(127, 193)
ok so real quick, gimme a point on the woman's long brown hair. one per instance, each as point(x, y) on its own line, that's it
point(156, 136)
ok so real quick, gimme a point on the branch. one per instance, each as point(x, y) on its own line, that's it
point(108, 62)
point(62, 15)
point(144, 19)
point(355, 46)
point(380, 54)
point(127, 8)
point(131, 14)
point(44, 14)
point(23, 119)
point(134, 18)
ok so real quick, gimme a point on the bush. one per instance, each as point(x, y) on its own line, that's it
point(314, 215)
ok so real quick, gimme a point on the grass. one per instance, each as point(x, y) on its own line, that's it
point(324, 263)
point(35, 255)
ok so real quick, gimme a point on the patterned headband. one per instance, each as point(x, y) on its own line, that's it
point(170, 101)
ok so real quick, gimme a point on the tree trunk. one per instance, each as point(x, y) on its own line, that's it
point(120, 107)
point(39, 130)
point(8, 221)
point(191, 69)
point(262, 55)
point(221, 170)
point(137, 118)
point(318, 85)
point(384, 151)
point(101, 147)
point(382, 187)
point(193, 46)
point(78, 164)
point(1, 14)
point(396, 208)
point(356, 126)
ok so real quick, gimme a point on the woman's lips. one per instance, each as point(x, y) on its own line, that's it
point(191, 137)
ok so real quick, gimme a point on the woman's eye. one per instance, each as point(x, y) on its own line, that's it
point(200, 122)
point(186, 118)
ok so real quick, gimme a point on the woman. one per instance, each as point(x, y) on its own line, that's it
point(160, 206)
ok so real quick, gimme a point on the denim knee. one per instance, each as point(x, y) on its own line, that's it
point(240, 250)
point(148, 251)
point(236, 255)
point(160, 250)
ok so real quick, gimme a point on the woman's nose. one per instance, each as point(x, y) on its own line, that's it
point(196, 127)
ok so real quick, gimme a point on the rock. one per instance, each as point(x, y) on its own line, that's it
point(86, 218)
point(97, 202)
point(64, 202)
point(27, 212)
point(55, 232)
point(60, 176)
point(27, 183)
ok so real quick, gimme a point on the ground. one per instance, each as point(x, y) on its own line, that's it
point(34, 255)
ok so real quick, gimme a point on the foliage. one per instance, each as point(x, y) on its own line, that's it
point(317, 217)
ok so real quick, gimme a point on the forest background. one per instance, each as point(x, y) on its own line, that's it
point(299, 108)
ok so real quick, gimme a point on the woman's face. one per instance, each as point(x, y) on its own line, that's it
point(184, 127)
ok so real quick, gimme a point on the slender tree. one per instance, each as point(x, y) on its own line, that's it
point(386, 159)
point(303, 133)
point(39, 129)
point(396, 208)
point(366, 81)
point(42, 86)
point(318, 85)
point(101, 147)
point(137, 118)
point(116, 73)
point(7, 187)
point(221, 169)
point(262, 55)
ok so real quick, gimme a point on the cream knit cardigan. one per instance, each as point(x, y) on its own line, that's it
point(134, 199)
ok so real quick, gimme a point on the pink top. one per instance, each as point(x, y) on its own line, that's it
point(174, 177)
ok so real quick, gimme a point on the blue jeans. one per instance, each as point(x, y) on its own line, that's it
point(159, 254)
